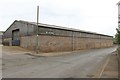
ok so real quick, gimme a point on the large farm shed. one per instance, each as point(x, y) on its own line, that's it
point(51, 38)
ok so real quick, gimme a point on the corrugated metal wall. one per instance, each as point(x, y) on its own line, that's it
point(60, 32)
point(25, 29)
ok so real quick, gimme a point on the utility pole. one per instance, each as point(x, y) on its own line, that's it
point(37, 31)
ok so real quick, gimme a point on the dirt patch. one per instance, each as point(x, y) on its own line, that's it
point(14, 49)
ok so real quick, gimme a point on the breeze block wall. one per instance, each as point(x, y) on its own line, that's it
point(7, 41)
point(29, 42)
point(49, 43)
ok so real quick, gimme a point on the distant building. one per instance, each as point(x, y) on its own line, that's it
point(1, 34)
point(51, 38)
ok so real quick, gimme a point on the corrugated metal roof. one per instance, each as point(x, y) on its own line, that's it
point(59, 27)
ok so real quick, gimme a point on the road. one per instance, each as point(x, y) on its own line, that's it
point(82, 64)
point(0, 61)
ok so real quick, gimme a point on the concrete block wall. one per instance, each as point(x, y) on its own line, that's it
point(106, 43)
point(29, 42)
point(86, 43)
point(79, 43)
point(47, 43)
point(52, 43)
point(7, 41)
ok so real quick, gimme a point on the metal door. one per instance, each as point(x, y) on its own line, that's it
point(16, 37)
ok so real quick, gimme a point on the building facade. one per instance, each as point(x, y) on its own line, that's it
point(51, 38)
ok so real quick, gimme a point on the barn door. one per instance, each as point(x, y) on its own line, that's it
point(16, 37)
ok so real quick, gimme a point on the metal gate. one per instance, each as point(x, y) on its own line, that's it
point(16, 37)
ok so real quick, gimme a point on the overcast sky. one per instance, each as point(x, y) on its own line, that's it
point(99, 16)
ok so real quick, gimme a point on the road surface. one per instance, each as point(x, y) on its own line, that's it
point(81, 64)
point(0, 61)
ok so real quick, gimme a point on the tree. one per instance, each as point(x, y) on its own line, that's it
point(117, 36)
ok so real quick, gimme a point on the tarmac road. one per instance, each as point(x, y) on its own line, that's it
point(81, 64)
point(0, 61)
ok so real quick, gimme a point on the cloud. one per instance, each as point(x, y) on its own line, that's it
point(89, 15)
